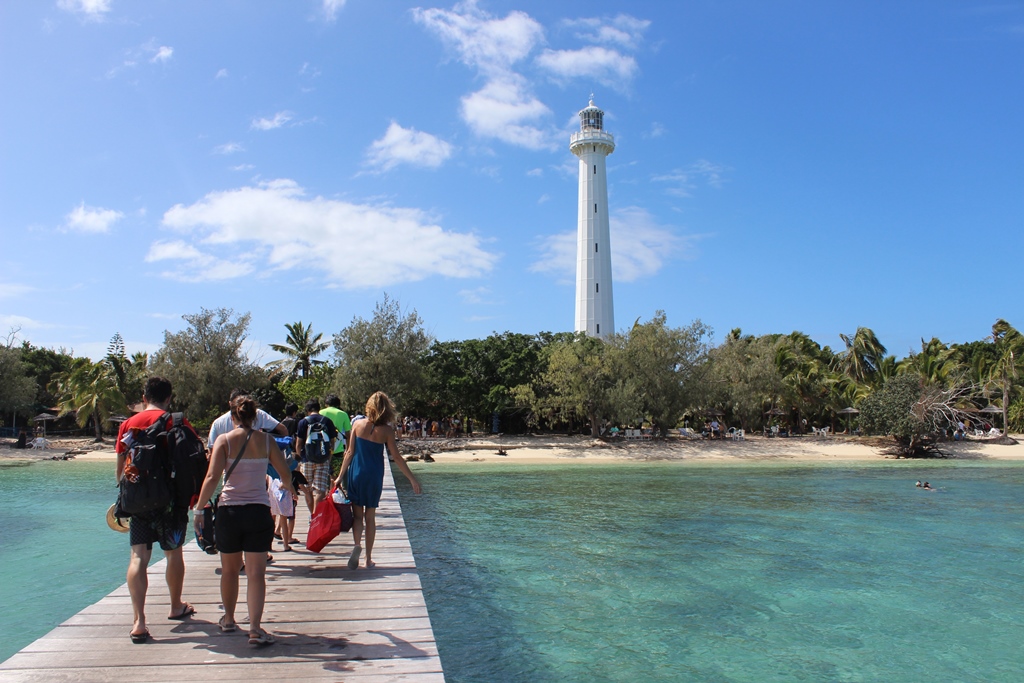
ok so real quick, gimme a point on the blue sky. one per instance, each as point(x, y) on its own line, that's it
point(779, 165)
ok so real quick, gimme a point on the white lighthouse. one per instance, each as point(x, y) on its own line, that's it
point(594, 314)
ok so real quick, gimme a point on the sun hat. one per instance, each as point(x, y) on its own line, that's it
point(116, 523)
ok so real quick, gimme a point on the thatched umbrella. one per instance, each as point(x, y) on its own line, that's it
point(848, 411)
point(44, 418)
point(992, 410)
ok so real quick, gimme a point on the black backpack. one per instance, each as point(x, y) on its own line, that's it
point(145, 486)
point(317, 448)
point(188, 460)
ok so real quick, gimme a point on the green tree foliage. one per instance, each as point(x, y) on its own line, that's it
point(42, 365)
point(1009, 347)
point(381, 354)
point(129, 372)
point(863, 356)
point(317, 384)
point(206, 361)
point(17, 388)
point(480, 377)
point(89, 390)
point(659, 368)
point(890, 411)
point(579, 382)
point(301, 348)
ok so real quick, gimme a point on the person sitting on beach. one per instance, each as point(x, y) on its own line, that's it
point(716, 429)
point(22, 440)
point(166, 527)
point(362, 471)
point(245, 528)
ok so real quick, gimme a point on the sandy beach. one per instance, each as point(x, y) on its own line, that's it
point(554, 448)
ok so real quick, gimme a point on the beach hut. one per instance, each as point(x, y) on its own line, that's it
point(43, 418)
point(848, 411)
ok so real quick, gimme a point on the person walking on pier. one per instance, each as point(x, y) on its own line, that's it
point(364, 465)
point(245, 528)
point(166, 527)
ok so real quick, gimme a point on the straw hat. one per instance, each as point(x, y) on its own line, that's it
point(116, 523)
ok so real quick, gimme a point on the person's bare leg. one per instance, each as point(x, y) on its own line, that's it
point(138, 584)
point(357, 535)
point(371, 533)
point(230, 566)
point(175, 577)
point(256, 588)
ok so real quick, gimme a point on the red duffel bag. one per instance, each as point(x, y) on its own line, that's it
point(323, 526)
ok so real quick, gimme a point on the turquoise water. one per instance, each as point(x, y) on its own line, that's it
point(638, 572)
point(663, 572)
point(57, 554)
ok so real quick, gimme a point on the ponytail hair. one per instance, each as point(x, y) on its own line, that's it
point(243, 410)
point(379, 409)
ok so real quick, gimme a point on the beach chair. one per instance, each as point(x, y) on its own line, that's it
point(994, 432)
point(39, 443)
point(739, 435)
point(775, 430)
point(824, 432)
point(979, 432)
point(816, 432)
point(689, 433)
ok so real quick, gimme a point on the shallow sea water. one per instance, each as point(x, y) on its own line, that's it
point(57, 554)
point(662, 572)
point(638, 572)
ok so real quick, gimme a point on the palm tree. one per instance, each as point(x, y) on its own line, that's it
point(862, 357)
point(933, 364)
point(90, 391)
point(1010, 348)
point(300, 348)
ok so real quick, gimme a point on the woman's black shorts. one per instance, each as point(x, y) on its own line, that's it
point(244, 528)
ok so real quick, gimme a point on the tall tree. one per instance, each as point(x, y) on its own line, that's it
point(863, 355)
point(17, 389)
point(1009, 351)
point(381, 354)
point(129, 373)
point(89, 390)
point(206, 361)
point(301, 347)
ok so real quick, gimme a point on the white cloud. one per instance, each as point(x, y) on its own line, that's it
point(92, 9)
point(9, 322)
point(407, 146)
point(535, 172)
point(222, 73)
point(280, 118)
point(623, 30)
point(608, 67)
point(199, 266)
point(331, 8)
point(394, 245)
point(482, 42)
point(640, 248)
point(682, 182)
point(11, 290)
point(163, 54)
point(228, 148)
point(92, 219)
point(479, 295)
point(656, 131)
point(243, 167)
point(504, 108)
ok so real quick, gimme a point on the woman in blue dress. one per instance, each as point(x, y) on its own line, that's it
point(363, 470)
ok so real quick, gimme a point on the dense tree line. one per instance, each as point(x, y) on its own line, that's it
point(651, 373)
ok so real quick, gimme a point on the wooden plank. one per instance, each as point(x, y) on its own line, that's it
point(331, 623)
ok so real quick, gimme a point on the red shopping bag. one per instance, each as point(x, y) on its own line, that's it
point(324, 526)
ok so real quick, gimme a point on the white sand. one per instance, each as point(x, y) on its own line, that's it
point(581, 449)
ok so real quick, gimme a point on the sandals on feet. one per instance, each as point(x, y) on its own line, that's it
point(226, 627)
point(186, 611)
point(260, 638)
point(139, 638)
point(353, 559)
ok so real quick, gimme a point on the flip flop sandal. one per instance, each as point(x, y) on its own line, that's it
point(353, 559)
point(261, 639)
point(139, 638)
point(226, 627)
point(186, 611)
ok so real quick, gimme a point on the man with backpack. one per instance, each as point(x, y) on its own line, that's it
point(314, 444)
point(265, 422)
point(339, 417)
point(144, 457)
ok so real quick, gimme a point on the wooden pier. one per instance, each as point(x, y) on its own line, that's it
point(331, 623)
